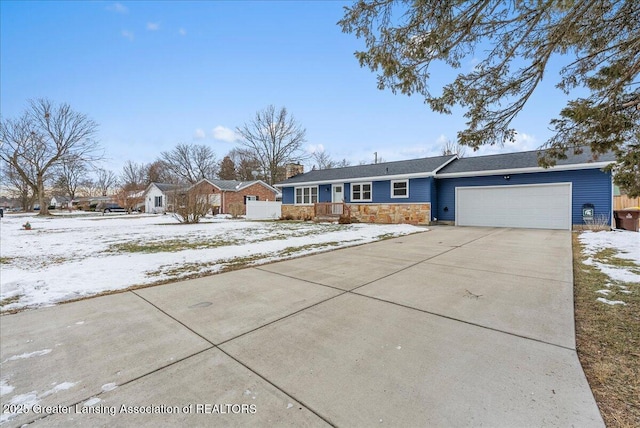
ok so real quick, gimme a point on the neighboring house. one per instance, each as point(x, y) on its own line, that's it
point(59, 202)
point(505, 190)
point(158, 197)
point(223, 193)
point(220, 194)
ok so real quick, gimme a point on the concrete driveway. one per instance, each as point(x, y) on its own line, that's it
point(451, 327)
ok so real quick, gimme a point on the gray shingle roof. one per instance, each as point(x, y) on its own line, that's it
point(231, 185)
point(166, 187)
point(518, 160)
point(412, 166)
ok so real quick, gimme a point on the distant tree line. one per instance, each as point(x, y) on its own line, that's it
point(51, 150)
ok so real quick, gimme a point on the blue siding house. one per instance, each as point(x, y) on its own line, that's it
point(504, 190)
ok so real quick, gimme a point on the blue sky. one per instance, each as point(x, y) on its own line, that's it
point(155, 74)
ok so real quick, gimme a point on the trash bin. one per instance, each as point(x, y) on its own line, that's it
point(628, 219)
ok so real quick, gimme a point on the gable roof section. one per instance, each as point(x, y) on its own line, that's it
point(521, 162)
point(166, 187)
point(422, 167)
point(234, 185)
point(163, 187)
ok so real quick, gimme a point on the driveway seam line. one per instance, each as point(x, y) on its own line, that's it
point(501, 273)
point(126, 383)
point(463, 321)
point(175, 319)
point(343, 292)
point(277, 387)
point(214, 346)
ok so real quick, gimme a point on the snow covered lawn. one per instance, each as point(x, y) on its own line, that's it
point(617, 255)
point(68, 257)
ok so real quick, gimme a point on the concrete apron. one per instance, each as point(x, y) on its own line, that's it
point(452, 327)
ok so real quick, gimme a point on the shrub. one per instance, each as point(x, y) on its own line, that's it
point(344, 219)
point(236, 210)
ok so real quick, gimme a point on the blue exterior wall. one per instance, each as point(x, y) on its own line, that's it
point(588, 186)
point(324, 193)
point(420, 191)
point(288, 196)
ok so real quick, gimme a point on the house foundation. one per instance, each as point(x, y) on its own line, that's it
point(417, 214)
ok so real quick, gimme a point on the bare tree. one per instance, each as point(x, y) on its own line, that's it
point(18, 187)
point(132, 185)
point(88, 188)
point(323, 160)
point(191, 162)
point(105, 181)
point(42, 138)
point(451, 148)
point(158, 172)
point(275, 139)
point(69, 174)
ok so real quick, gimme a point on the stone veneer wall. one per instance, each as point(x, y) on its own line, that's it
point(392, 213)
point(371, 213)
point(298, 212)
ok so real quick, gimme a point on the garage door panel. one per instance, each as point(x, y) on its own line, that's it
point(530, 206)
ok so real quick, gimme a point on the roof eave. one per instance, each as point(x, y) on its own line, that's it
point(571, 167)
point(358, 179)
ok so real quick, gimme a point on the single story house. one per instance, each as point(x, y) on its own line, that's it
point(224, 193)
point(221, 194)
point(158, 196)
point(59, 201)
point(504, 190)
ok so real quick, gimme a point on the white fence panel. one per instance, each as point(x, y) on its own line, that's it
point(263, 210)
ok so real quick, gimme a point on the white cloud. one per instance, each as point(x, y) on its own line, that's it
point(153, 26)
point(224, 134)
point(182, 32)
point(118, 8)
point(523, 142)
point(199, 134)
point(127, 34)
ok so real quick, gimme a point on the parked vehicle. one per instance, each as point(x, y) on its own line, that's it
point(109, 207)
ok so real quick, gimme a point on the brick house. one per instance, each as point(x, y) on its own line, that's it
point(223, 193)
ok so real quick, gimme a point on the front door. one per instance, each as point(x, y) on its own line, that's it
point(337, 197)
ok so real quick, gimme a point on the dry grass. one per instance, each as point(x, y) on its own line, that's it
point(608, 340)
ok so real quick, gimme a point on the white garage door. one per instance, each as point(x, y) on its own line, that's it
point(541, 206)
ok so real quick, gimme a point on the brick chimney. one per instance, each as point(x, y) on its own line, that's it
point(293, 169)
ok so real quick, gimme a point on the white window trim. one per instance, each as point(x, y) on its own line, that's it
point(295, 197)
point(362, 184)
point(402, 196)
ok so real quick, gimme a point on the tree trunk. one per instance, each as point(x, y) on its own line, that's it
point(44, 206)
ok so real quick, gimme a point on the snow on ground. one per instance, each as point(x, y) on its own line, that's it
point(626, 246)
point(68, 257)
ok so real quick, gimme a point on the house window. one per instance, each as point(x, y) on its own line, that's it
point(157, 201)
point(306, 195)
point(399, 188)
point(361, 192)
point(250, 198)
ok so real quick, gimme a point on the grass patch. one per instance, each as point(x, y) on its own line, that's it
point(10, 300)
point(293, 250)
point(6, 260)
point(608, 338)
point(168, 245)
point(609, 256)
